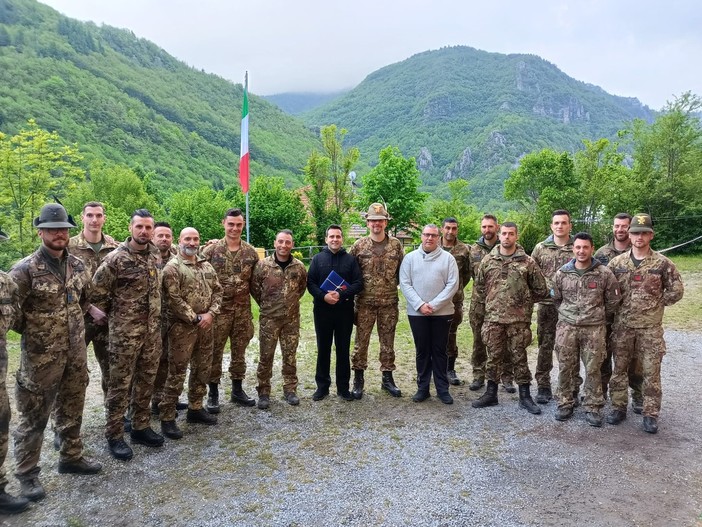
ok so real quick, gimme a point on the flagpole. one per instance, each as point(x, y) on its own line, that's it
point(244, 151)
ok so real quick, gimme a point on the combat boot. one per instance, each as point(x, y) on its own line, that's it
point(544, 395)
point(477, 383)
point(170, 430)
point(576, 399)
point(563, 414)
point(81, 466)
point(616, 416)
point(650, 425)
point(508, 385)
point(120, 449)
point(31, 488)
point(201, 416)
point(594, 419)
point(489, 398)
point(11, 505)
point(154, 407)
point(213, 398)
point(451, 373)
point(146, 437)
point(637, 405)
point(525, 400)
point(264, 402)
point(388, 384)
point(358, 382)
point(239, 395)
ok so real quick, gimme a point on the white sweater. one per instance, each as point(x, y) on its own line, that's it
point(429, 278)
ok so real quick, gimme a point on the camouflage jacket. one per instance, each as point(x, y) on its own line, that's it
point(8, 311)
point(127, 286)
point(646, 289)
point(190, 288)
point(587, 300)
point(276, 291)
point(234, 270)
point(380, 265)
point(550, 258)
point(79, 247)
point(506, 288)
point(461, 252)
point(51, 307)
point(606, 253)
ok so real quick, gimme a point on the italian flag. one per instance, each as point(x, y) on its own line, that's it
point(244, 152)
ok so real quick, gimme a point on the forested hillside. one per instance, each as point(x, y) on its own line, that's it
point(125, 100)
point(296, 103)
point(466, 113)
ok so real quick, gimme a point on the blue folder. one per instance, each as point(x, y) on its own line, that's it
point(334, 282)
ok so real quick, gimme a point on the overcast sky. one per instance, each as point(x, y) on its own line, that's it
point(647, 49)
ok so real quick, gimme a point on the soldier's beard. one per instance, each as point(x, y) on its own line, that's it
point(188, 251)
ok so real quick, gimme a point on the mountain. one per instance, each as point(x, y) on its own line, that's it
point(296, 103)
point(466, 113)
point(126, 100)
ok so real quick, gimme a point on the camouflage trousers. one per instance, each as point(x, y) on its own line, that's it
point(366, 317)
point(452, 347)
point(239, 329)
point(133, 364)
point(635, 372)
point(187, 344)
point(574, 343)
point(507, 340)
point(44, 381)
point(272, 331)
point(478, 357)
point(5, 413)
point(98, 335)
point(162, 370)
point(546, 320)
point(647, 346)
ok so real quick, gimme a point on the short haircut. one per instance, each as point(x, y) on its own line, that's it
point(623, 216)
point(489, 217)
point(94, 204)
point(334, 226)
point(163, 224)
point(140, 213)
point(233, 212)
point(430, 226)
point(510, 225)
point(284, 231)
point(584, 236)
point(561, 212)
point(450, 219)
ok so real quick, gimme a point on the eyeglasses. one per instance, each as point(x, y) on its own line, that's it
point(430, 235)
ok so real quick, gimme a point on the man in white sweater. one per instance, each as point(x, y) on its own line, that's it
point(429, 279)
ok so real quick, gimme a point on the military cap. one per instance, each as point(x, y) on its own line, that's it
point(377, 212)
point(53, 216)
point(3, 236)
point(641, 223)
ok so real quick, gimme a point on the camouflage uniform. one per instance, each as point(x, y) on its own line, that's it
point(162, 370)
point(476, 315)
point(53, 367)
point(380, 265)
point(235, 322)
point(78, 246)
point(505, 290)
point(8, 307)
point(127, 286)
point(584, 302)
point(637, 330)
point(191, 288)
point(277, 292)
point(604, 255)
point(549, 257)
point(461, 252)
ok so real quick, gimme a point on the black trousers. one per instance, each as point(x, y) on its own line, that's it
point(333, 324)
point(430, 341)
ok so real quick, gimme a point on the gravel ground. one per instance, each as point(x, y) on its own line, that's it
point(392, 462)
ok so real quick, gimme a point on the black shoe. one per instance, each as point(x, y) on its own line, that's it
point(420, 396)
point(388, 384)
point(264, 402)
point(594, 419)
point(563, 414)
point(637, 406)
point(476, 384)
point(358, 382)
point(82, 466)
point(120, 449)
point(31, 489)
point(201, 416)
point(127, 424)
point(170, 430)
point(57, 441)
point(291, 398)
point(146, 437)
point(616, 416)
point(453, 378)
point(12, 505)
point(319, 394)
point(445, 398)
point(650, 425)
point(346, 396)
point(508, 385)
point(239, 395)
point(154, 408)
point(525, 400)
point(181, 406)
point(544, 395)
point(489, 398)
point(213, 398)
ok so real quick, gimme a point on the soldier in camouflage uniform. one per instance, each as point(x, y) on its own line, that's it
point(379, 255)
point(648, 281)
point(550, 255)
point(9, 504)
point(194, 297)
point(52, 288)
point(234, 260)
point(585, 293)
point(278, 283)
point(478, 251)
point(620, 243)
point(127, 286)
point(461, 252)
point(506, 287)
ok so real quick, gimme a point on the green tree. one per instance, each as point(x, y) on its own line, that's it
point(395, 181)
point(457, 206)
point(201, 208)
point(318, 193)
